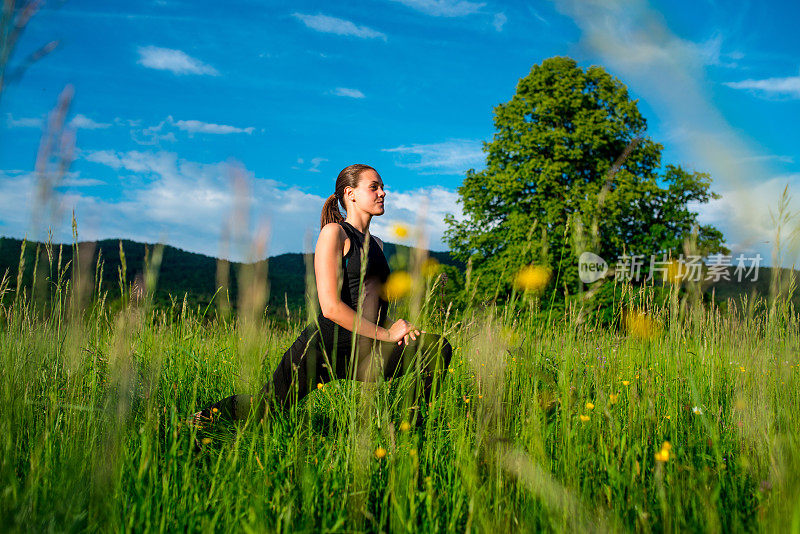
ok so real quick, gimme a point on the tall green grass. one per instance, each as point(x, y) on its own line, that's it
point(93, 405)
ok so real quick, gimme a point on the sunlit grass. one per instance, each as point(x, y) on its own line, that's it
point(675, 421)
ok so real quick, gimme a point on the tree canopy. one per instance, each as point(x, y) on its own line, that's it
point(549, 193)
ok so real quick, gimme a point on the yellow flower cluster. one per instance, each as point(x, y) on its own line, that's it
point(397, 286)
point(663, 455)
point(399, 230)
point(533, 278)
point(675, 272)
point(641, 325)
point(431, 268)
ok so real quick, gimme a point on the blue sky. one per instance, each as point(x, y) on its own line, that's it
point(175, 102)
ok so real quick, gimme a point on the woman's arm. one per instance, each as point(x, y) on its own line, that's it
point(327, 258)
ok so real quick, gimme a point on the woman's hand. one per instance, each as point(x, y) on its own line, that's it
point(401, 330)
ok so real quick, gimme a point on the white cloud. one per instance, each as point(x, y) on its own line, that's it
point(454, 156)
point(175, 61)
point(764, 199)
point(326, 24)
point(789, 86)
point(194, 126)
point(182, 202)
point(23, 122)
point(424, 207)
point(85, 123)
point(187, 205)
point(499, 21)
point(537, 15)
point(315, 163)
point(76, 181)
point(165, 130)
point(351, 93)
point(444, 8)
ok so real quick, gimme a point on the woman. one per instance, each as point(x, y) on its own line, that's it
point(326, 350)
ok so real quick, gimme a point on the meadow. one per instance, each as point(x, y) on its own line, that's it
point(680, 417)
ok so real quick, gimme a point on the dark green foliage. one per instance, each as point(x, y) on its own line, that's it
point(548, 192)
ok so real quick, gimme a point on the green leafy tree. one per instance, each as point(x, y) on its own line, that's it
point(569, 170)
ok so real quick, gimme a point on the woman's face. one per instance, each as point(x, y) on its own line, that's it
point(369, 195)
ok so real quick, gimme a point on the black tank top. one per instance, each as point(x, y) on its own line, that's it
point(377, 266)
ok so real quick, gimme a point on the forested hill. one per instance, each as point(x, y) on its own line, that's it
point(194, 276)
point(182, 273)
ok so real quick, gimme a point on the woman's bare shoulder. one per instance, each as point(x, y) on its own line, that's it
point(334, 234)
point(332, 231)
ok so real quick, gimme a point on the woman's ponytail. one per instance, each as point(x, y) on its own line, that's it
point(348, 177)
point(330, 212)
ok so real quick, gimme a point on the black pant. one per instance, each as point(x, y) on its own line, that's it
point(312, 360)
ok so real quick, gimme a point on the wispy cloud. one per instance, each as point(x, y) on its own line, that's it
point(454, 156)
point(788, 86)
point(23, 122)
point(165, 130)
point(175, 61)
point(315, 163)
point(194, 126)
point(351, 93)
point(326, 24)
point(444, 8)
point(499, 21)
point(85, 123)
point(537, 15)
point(770, 157)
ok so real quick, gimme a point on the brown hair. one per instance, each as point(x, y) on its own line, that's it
point(349, 176)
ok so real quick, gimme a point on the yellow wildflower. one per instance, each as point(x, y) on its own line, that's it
point(397, 286)
point(663, 454)
point(585, 418)
point(431, 267)
point(675, 272)
point(533, 278)
point(413, 452)
point(399, 230)
point(641, 325)
point(626, 382)
point(589, 406)
point(380, 453)
point(405, 426)
point(320, 385)
point(206, 441)
point(612, 398)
